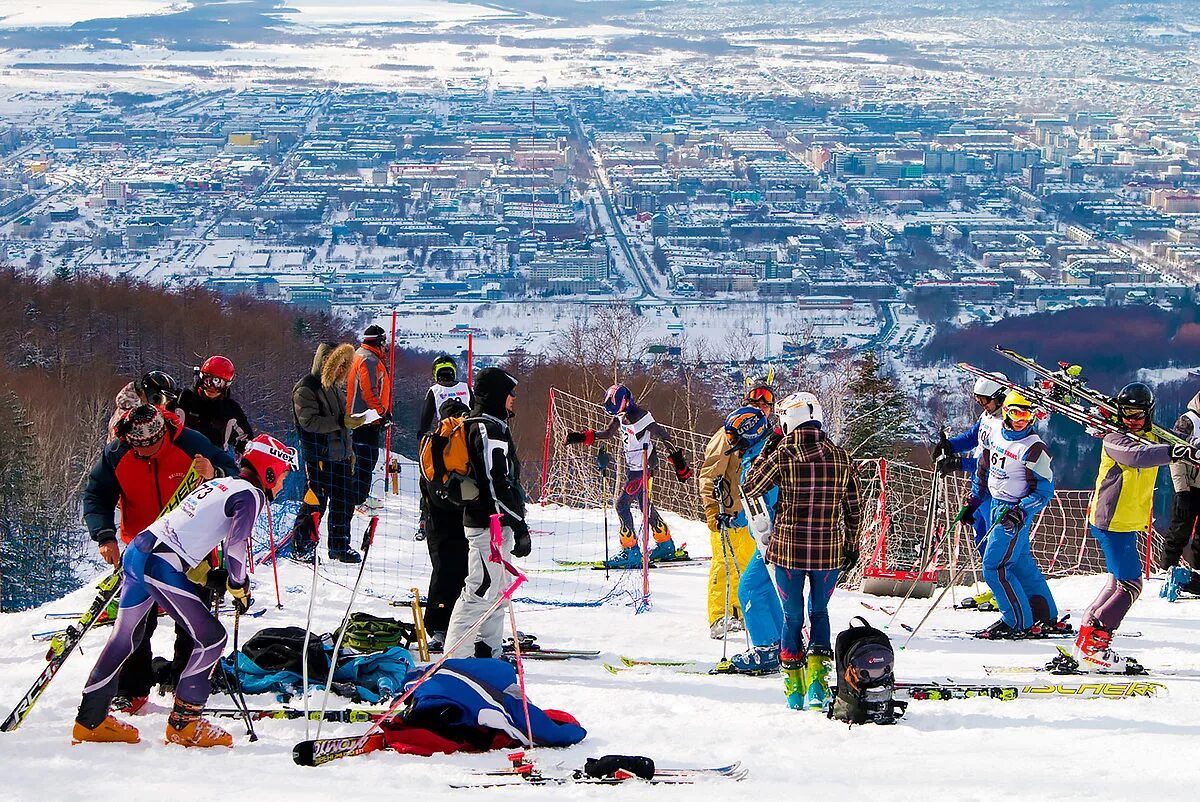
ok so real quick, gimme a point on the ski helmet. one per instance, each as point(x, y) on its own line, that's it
point(618, 399)
point(798, 409)
point(444, 364)
point(142, 427)
point(744, 427)
point(1017, 407)
point(374, 335)
point(1136, 399)
point(990, 387)
point(269, 459)
point(158, 388)
point(215, 374)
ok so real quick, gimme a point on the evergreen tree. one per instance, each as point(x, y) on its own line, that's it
point(63, 273)
point(878, 419)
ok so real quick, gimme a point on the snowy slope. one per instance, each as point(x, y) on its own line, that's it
point(966, 750)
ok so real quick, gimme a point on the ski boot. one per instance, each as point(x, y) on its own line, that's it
point(793, 683)
point(817, 695)
point(718, 628)
point(109, 731)
point(346, 555)
point(757, 661)
point(129, 705)
point(1094, 653)
point(435, 642)
point(999, 631)
point(736, 624)
point(186, 727)
point(985, 601)
point(626, 558)
point(1051, 629)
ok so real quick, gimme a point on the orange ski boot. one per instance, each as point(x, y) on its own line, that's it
point(109, 731)
point(186, 727)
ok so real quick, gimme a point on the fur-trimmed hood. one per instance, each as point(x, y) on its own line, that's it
point(336, 365)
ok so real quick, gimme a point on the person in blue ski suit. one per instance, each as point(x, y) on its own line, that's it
point(961, 453)
point(1014, 464)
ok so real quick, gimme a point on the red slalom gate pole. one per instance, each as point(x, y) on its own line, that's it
point(274, 557)
point(546, 447)
point(470, 354)
point(387, 438)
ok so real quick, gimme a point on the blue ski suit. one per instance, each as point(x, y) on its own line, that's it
point(966, 446)
point(761, 610)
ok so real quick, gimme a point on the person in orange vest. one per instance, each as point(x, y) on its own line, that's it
point(369, 396)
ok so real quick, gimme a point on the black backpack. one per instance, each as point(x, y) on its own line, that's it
point(864, 662)
point(282, 649)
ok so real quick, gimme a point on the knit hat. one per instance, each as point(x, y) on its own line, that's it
point(142, 426)
point(492, 387)
point(374, 335)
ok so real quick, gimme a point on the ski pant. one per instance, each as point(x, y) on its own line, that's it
point(486, 581)
point(1181, 531)
point(153, 575)
point(366, 457)
point(1013, 575)
point(636, 490)
point(791, 595)
point(330, 489)
point(1124, 562)
point(981, 523)
point(724, 572)
point(760, 603)
point(448, 554)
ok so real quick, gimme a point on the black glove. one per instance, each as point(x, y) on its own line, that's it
point(773, 441)
point(585, 437)
point(1013, 519)
point(522, 543)
point(942, 448)
point(681, 469)
point(948, 465)
point(966, 515)
point(849, 558)
point(603, 460)
point(216, 581)
point(725, 520)
point(1185, 452)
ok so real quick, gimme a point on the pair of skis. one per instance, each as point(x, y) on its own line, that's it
point(682, 667)
point(525, 772)
point(532, 650)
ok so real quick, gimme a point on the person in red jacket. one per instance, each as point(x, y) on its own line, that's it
point(140, 472)
point(369, 399)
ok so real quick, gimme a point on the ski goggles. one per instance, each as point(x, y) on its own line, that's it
point(761, 395)
point(214, 382)
point(1021, 414)
point(1133, 414)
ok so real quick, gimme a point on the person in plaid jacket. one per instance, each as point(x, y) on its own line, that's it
point(814, 538)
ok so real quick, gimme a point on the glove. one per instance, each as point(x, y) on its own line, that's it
point(966, 515)
point(522, 543)
point(1185, 452)
point(681, 469)
point(849, 558)
point(240, 595)
point(1013, 519)
point(724, 519)
point(353, 421)
point(586, 437)
point(942, 448)
point(773, 441)
point(948, 465)
point(603, 460)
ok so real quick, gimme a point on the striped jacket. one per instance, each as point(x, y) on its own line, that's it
point(818, 511)
point(368, 386)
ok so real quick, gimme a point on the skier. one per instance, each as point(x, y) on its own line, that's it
point(637, 427)
point(818, 494)
point(369, 390)
point(761, 397)
point(448, 550)
point(211, 410)
point(1119, 514)
point(155, 388)
point(1181, 539)
point(446, 386)
point(1014, 465)
point(139, 472)
point(162, 567)
point(493, 458)
point(319, 410)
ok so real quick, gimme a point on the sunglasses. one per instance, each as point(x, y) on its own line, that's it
point(761, 395)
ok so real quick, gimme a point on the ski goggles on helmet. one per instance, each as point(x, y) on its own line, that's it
point(1019, 414)
point(214, 382)
point(761, 395)
point(1132, 413)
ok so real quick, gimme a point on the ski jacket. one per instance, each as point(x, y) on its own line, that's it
point(220, 419)
point(770, 498)
point(966, 445)
point(497, 471)
point(818, 511)
point(218, 512)
point(719, 463)
point(1124, 492)
point(369, 386)
point(439, 394)
point(319, 407)
point(1184, 475)
point(637, 428)
point(142, 487)
point(1014, 467)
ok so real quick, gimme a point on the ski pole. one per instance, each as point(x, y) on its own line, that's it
point(312, 595)
point(368, 539)
point(239, 697)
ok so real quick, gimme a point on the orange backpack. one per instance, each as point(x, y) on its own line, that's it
point(445, 464)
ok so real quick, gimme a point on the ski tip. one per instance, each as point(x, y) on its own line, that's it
point(303, 753)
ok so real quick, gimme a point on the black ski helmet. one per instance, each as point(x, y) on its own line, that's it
point(158, 388)
point(1136, 397)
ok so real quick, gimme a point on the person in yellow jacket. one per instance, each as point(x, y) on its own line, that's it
point(720, 478)
point(1119, 515)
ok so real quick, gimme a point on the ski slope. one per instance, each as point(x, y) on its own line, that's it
point(975, 749)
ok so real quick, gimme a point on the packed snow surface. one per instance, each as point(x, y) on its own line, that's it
point(977, 749)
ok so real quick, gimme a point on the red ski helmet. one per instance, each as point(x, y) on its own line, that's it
point(216, 373)
point(269, 458)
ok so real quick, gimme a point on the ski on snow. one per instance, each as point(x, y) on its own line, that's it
point(526, 772)
point(1065, 664)
point(346, 716)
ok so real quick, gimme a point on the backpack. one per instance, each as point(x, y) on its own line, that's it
point(865, 680)
point(369, 633)
point(282, 649)
point(445, 464)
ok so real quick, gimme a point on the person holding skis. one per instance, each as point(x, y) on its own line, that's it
point(494, 463)
point(162, 567)
point(210, 409)
point(1181, 541)
point(814, 538)
point(1014, 465)
point(319, 410)
point(140, 472)
point(1119, 514)
point(638, 429)
point(446, 387)
point(762, 397)
point(369, 394)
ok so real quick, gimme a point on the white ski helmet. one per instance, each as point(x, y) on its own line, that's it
point(798, 409)
point(990, 387)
